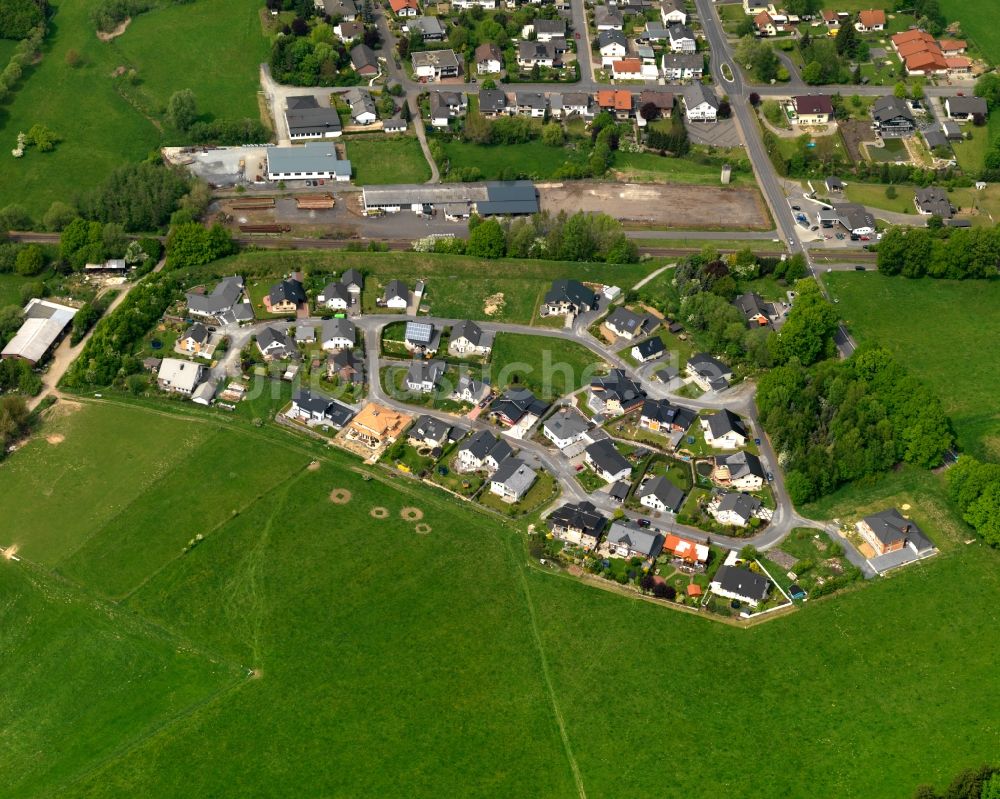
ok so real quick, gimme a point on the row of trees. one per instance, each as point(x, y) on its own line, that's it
point(84, 242)
point(192, 244)
point(15, 421)
point(937, 251)
point(838, 421)
point(982, 782)
point(22, 56)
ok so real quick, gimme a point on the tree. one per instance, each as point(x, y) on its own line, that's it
point(900, 90)
point(749, 552)
point(664, 591)
point(808, 332)
point(30, 260)
point(649, 111)
point(890, 192)
point(59, 215)
point(486, 240)
point(182, 109)
point(73, 58)
point(988, 87)
point(754, 99)
point(725, 110)
point(193, 245)
point(552, 135)
point(847, 41)
point(812, 73)
point(41, 137)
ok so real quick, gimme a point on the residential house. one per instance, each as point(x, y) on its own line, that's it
point(225, 303)
point(195, 339)
point(364, 61)
point(531, 104)
point(178, 376)
point(724, 430)
point(952, 47)
point(335, 297)
point(628, 540)
point(430, 28)
point(549, 30)
point(344, 9)
point(701, 103)
point(580, 524)
point(362, 106)
point(615, 394)
point(376, 426)
point(741, 470)
point(813, 109)
point(662, 101)
point(892, 117)
point(933, 201)
point(672, 12)
point(482, 451)
point(764, 23)
point(347, 367)
point(429, 431)
point(615, 101)
point(757, 312)
point(422, 376)
point(568, 297)
point(691, 553)
point(834, 184)
point(286, 296)
point(632, 69)
point(446, 106)
point(512, 480)
point(708, 373)
point(433, 65)
point(965, 108)
point(653, 32)
point(869, 20)
point(681, 39)
point(565, 428)
point(470, 390)
point(853, 217)
point(396, 295)
point(618, 492)
point(608, 18)
point(404, 8)
point(662, 416)
point(890, 531)
point(830, 18)
point(348, 31)
point(629, 324)
point(649, 350)
point(276, 345)
point(488, 5)
point(338, 334)
point(518, 407)
point(735, 509)
point(469, 339)
point(607, 462)
point(612, 45)
point(492, 102)
point(564, 105)
point(534, 53)
point(317, 409)
point(683, 66)
point(489, 59)
point(305, 334)
point(741, 584)
point(660, 495)
point(354, 281)
point(421, 338)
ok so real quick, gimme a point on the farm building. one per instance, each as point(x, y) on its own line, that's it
point(44, 325)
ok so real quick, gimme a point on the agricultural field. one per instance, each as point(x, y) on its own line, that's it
point(882, 310)
point(293, 611)
point(550, 367)
point(975, 17)
point(100, 127)
point(377, 159)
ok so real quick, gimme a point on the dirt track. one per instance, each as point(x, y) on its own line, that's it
point(662, 205)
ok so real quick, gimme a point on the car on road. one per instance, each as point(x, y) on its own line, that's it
point(866, 238)
point(642, 522)
point(814, 228)
point(756, 441)
point(859, 268)
point(796, 208)
point(770, 477)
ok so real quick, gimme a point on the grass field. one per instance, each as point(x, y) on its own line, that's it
point(99, 128)
point(757, 245)
point(548, 366)
point(975, 16)
point(382, 160)
point(983, 205)
point(650, 166)
point(534, 159)
point(10, 288)
point(372, 646)
point(947, 353)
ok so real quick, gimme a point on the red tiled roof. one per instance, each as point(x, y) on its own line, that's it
point(399, 5)
point(693, 589)
point(926, 60)
point(627, 65)
point(911, 36)
point(872, 17)
point(952, 45)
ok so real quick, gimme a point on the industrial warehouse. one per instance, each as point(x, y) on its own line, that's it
point(455, 200)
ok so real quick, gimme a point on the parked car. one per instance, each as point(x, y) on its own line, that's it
point(642, 522)
point(859, 268)
point(796, 208)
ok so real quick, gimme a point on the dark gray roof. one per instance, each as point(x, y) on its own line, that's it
point(743, 505)
point(743, 582)
point(479, 444)
point(967, 105)
point(467, 330)
point(650, 347)
point(300, 102)
point(606, 457)
point(700, 93)
point(270, 336)
point(224, 296)
point(427, 25)
point(619, 490)
point(515, 474)
point(336, 291)
point(607, 15)
point(726, 421)
point(313, 121)
point(741, 464)
point(363, 56)
point(566, 424)
point(492, 100)
point(635, 538)
point(618, 385)
point(679, 31)
point(612, 36)
point(692, 61)
point(665, 412)
point(665, 491)
point(752, 304)
point(571, 291)
point(421, 371)
point(517, 403)
point(198, 332)
point(338, 328)
point(509, 197)
point(934, 201)
point(935, 137)
point(430, 428)
point(396, 289)
point(534, 100)
point(313, 403)
point(553, 27)
point(889, 107)
point(627, 321)
point(289, 290)
point(890, 526)
point(352, 277)
point(582, 516)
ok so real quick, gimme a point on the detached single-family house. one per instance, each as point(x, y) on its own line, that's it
point(765, 24)
point(224, 303)
point(892, 117)
point(429, 431)
point(701, 103)
point(376, 425)
point(362, 106)
point(432, 65)
point(754, 309)
point(662, 416)
point(547, 30)
point(276, 345)
point(813, 109)
point(629, 324)
point(195, 339)
point(518, 406)
point(354, 281)
point(933, 201)
point(681, 39)
point(305, 334)
point(421, 338)
point(345, 9)
point(396, 295)
point(615, 393)
point(965, 108)
point(724, 430)
point(606, 461)
point(493, 103)
point(890, 531)
point(404, 8)
point(565, 428)
point(469, 339)
point(742, 470)
point(286, 296)
point(430, 28)
point(580, 524)
point(364, 61)
point(633, 69)
point(853, 217)
point(482, 451)
point(612, 45)
point(422, 376)
point(628, 540)
point(660, 495)
point(608, 18)
point(335, 297)
point(568, 297)
point(708, 373)
point(735, 509)
point(489, 59)
point(662, 101)
point(615, 101)
point(672, 12)
point(470, 390)
point(534, 53)
point(346, 366)
point(871, 19)
point(512, 480)
point(683, 66)
point(179, 376)
point(690, 552)
point(531, 104)
point(338, 334)
point(649, 350)
point(315, 409)
point(741, 584)
point(445, 106)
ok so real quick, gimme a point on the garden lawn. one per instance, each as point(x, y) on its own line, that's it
point(549, 366)
point(938, 329)
point(377, 159)
point(975, 16)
